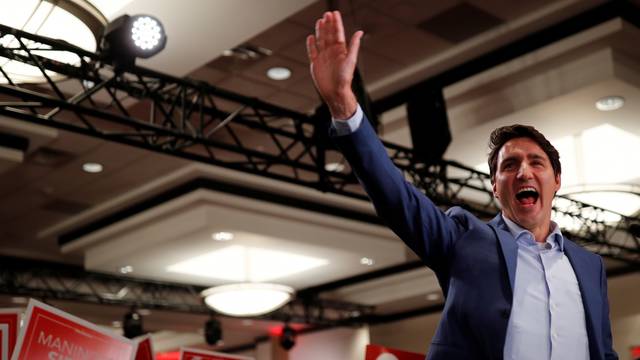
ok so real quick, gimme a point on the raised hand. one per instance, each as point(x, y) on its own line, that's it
point(332, 64)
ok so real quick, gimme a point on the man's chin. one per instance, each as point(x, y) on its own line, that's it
point(527, 215)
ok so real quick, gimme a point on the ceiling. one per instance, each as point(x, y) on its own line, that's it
point(45, 193)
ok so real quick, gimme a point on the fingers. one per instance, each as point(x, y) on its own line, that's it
point(338, 27)
point(320, 37)
point(329, 30)
point(312, 50)
point(354, 47)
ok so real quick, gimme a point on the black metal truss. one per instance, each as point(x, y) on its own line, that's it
point(56, 281)
point(197, 121)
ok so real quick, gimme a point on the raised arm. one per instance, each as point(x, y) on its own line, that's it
point(333, 63)
point(408, 212)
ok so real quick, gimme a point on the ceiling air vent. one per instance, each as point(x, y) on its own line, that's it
point(47, 156)
point(65, 206)
point(239, 58)
point(460, 23)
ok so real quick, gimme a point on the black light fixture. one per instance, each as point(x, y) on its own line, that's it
point(634, 229)
point(129, 37)
point(132, 324)
point(212, 331)
point(288, 337)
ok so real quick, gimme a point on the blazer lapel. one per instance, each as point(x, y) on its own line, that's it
point(508, 246)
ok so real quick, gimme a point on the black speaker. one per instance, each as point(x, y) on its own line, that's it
point(212, 331)
point(288, 337)
point(132, 325)
point(429, 125)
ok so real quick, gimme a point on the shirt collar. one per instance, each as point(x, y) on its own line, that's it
point(554, 235)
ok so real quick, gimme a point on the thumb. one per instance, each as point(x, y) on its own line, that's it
point(354, 47)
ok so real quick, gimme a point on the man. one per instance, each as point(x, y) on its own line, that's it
point(515, 288)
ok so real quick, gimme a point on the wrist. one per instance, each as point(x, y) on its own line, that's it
point(343, 106)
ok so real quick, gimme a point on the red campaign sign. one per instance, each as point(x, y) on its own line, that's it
point(11, 318)
point(145, 348)
point(377, 352)
point(197, 354)
point(49, 333)
point(4, 342)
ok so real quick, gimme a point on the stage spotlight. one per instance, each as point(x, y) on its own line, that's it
point(212, 331)
point(288, 337)
point(132, 324)
point(129, 37)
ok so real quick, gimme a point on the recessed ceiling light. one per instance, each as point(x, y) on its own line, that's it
point(278, 73)
point(126, 269)
point(222, 236)
point(242, 263)
point(433, 296)
point(610, 103)
point(334, 167)
point(366, 261)
point(92, 167)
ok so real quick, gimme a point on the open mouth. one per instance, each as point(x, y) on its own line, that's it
point(527, 196)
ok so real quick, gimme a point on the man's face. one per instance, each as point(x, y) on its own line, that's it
point(524, 183)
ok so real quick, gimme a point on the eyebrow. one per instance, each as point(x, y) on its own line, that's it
point(529, 156)
point(536, 157)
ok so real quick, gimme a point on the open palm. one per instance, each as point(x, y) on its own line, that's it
point(332, 64)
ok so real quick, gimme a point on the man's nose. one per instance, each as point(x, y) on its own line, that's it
point(524, 171)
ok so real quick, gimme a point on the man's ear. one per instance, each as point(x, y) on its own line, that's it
point(493, 187)
point(558, 181)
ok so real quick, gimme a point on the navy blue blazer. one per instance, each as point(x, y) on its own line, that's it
point(474, 261)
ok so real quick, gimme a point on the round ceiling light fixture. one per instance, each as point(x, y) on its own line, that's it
point(77, 22)
point(247, 299)
point(366, 261)
point(335, 167)
point(279, 73)
point(610, 103)
point(222, 236)
point(92, 167)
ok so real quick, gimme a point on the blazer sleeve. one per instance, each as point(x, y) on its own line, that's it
point(425, 228)
point(609, 353)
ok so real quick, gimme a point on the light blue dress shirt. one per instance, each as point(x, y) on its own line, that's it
point(547, 318)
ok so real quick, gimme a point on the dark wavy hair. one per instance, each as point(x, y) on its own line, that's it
point(503, 134)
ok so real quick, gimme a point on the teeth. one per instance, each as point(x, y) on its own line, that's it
point(529, 188)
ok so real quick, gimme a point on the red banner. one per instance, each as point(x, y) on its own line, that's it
point(145, 348)
point(52, 334)
point(197, 354)
point(4, 342)
point(377, 352)
point(11, 318)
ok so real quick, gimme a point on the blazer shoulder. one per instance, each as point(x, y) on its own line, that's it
point(585, 254)
point(464, 218)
